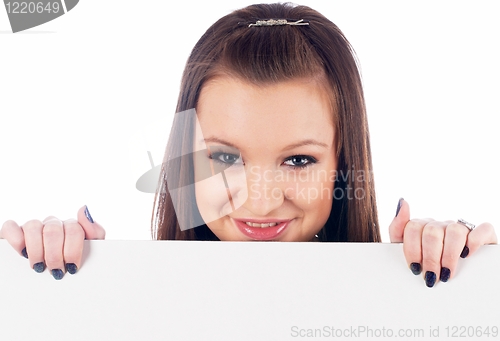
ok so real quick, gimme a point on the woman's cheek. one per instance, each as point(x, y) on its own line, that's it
point(314, 199)
point(307, 194)
point(237, 188)
point(221, 194)
point(212, 198)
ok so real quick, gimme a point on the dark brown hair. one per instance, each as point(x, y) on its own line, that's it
point(270, 55)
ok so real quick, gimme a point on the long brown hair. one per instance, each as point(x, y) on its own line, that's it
point(269, 55)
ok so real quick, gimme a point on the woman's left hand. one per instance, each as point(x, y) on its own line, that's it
point(433, 247)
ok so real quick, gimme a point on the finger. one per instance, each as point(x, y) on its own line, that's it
point(14, 235)
point(396, 229)
point(92, 229)
point(481, 235)
point(455, 238)
point(73, 245)
point(53, 243)
point(34, 244)
point(432, 250)
point(412, 244)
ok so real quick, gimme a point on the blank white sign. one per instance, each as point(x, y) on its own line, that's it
point(175, 290)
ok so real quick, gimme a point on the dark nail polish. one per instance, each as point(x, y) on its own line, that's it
point(465, 252)
point(445, 274)
point(71, 268)
point(39, 267)
point(25, 253)
point(87, 214)
point(400, 202)
point(430, 279)
point(416, 268)
point(57, 273)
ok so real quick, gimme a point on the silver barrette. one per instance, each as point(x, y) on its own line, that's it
point(273, 22)
point(470, 226)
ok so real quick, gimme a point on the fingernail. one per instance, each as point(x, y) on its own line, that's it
point(430, 279)
point(87, 214)
point(445, 274)
point(57, 273)
point(39, 267)
point(465, 252)
point(71, 268)
point(25, 253)
point(400, 202)
point(416, 268)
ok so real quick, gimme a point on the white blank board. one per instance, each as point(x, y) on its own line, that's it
point(176, 290)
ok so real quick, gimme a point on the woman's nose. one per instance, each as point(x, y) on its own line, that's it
point(264, 191)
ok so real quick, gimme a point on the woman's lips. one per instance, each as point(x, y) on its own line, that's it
point(262, 233)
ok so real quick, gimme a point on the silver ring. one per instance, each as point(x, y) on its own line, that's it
point(470, 226)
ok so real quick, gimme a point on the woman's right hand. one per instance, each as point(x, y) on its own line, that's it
point(52, 243)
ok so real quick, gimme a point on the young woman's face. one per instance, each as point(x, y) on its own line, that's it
point(270, 159)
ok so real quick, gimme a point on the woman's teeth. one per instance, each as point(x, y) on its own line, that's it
point(261, 225)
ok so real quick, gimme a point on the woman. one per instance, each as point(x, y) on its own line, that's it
point(270, 142)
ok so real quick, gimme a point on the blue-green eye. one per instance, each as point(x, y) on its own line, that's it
point(225, 158)
point(300, 161)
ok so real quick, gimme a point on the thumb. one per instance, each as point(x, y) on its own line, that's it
point(397, 227)
point(93, 230)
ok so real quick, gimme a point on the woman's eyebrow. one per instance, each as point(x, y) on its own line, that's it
point(217, 140)
point(307, 142)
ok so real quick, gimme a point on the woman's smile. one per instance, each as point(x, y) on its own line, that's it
point(268, 230)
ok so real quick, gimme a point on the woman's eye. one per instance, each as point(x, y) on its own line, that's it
point(299, 161)
point(225, 158)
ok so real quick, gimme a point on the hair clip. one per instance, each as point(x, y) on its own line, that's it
point(273, 22)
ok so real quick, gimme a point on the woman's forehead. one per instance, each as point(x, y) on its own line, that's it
point(279, 114)
point(294, 102)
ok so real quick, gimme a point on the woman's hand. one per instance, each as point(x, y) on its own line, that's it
point(52, 243)
point(433, 247)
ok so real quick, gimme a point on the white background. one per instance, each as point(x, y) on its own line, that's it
point(84, 97)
